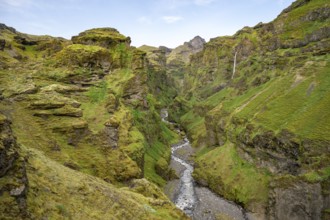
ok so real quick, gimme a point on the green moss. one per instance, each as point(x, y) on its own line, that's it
point(218, 97)
point(234, 178)
point(147, 48)
point(301, 108)
point(122, 56)
point(98, 93)
point(117, 80)
point(83, 56)
point(153, 155)
point(71, 194)
point(96, 123)
point(295, 27)
point(195, 126)
point(318, 176)
point(99, 35)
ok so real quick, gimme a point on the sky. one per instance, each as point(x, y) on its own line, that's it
point(152, 22)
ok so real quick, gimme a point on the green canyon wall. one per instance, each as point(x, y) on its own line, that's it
point(81, 135)
point(262, 131)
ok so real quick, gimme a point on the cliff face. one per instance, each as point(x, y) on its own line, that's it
point(265, 123)
point(83, 119)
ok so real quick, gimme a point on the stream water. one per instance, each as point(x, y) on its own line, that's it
point(198, 202)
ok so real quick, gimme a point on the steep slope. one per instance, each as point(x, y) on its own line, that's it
point(35, 187)
point(84, 104)
point(263, 126)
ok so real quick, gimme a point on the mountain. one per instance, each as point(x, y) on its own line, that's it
point(182, 53)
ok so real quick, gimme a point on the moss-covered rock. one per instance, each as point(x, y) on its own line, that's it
point(103, 37)
point(13, 180)
point(81, 119)
point(162, 169)
point(225, 172)
point(84, 56)
point(72, 194)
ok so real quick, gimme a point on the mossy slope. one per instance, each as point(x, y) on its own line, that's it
point(267, 118)
point(84, 112)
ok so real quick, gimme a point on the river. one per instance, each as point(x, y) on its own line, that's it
point(198, 202)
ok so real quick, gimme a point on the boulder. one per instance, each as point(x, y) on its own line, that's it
point(299, 201)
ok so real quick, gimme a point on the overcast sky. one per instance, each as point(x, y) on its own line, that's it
point(151, 22)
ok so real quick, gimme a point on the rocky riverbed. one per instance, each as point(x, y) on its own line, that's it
point(196, 201)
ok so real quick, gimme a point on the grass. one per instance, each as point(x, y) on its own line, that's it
point(218, 97)
point(295, 97)
point(98, 93)
point(74, 195)
point(117, 80)
point(100, 33)
point(229, 175)
point(318, 176)
point(81, 143)
point(147, 48)
point(153, 154)
point(305, 114)
point(158, 138)
point(84, 48)
point(194, 125)
point(82, 55)
point(298, 30)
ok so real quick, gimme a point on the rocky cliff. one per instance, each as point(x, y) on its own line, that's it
point(263, 125)
point(81, 135)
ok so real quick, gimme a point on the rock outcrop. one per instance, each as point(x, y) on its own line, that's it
point(299, 200)
point(181, 54)
point(14, 181)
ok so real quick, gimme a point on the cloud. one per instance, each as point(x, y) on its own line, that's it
point(171, 19)
point(203, 2)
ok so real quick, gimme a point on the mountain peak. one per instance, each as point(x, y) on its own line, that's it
point(183, 52)
point(197, 42)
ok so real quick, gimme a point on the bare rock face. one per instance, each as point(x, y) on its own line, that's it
point(2, 44)
point(197, 44)
point(299, 201)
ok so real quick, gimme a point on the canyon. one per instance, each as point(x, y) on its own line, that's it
point(84, 133)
